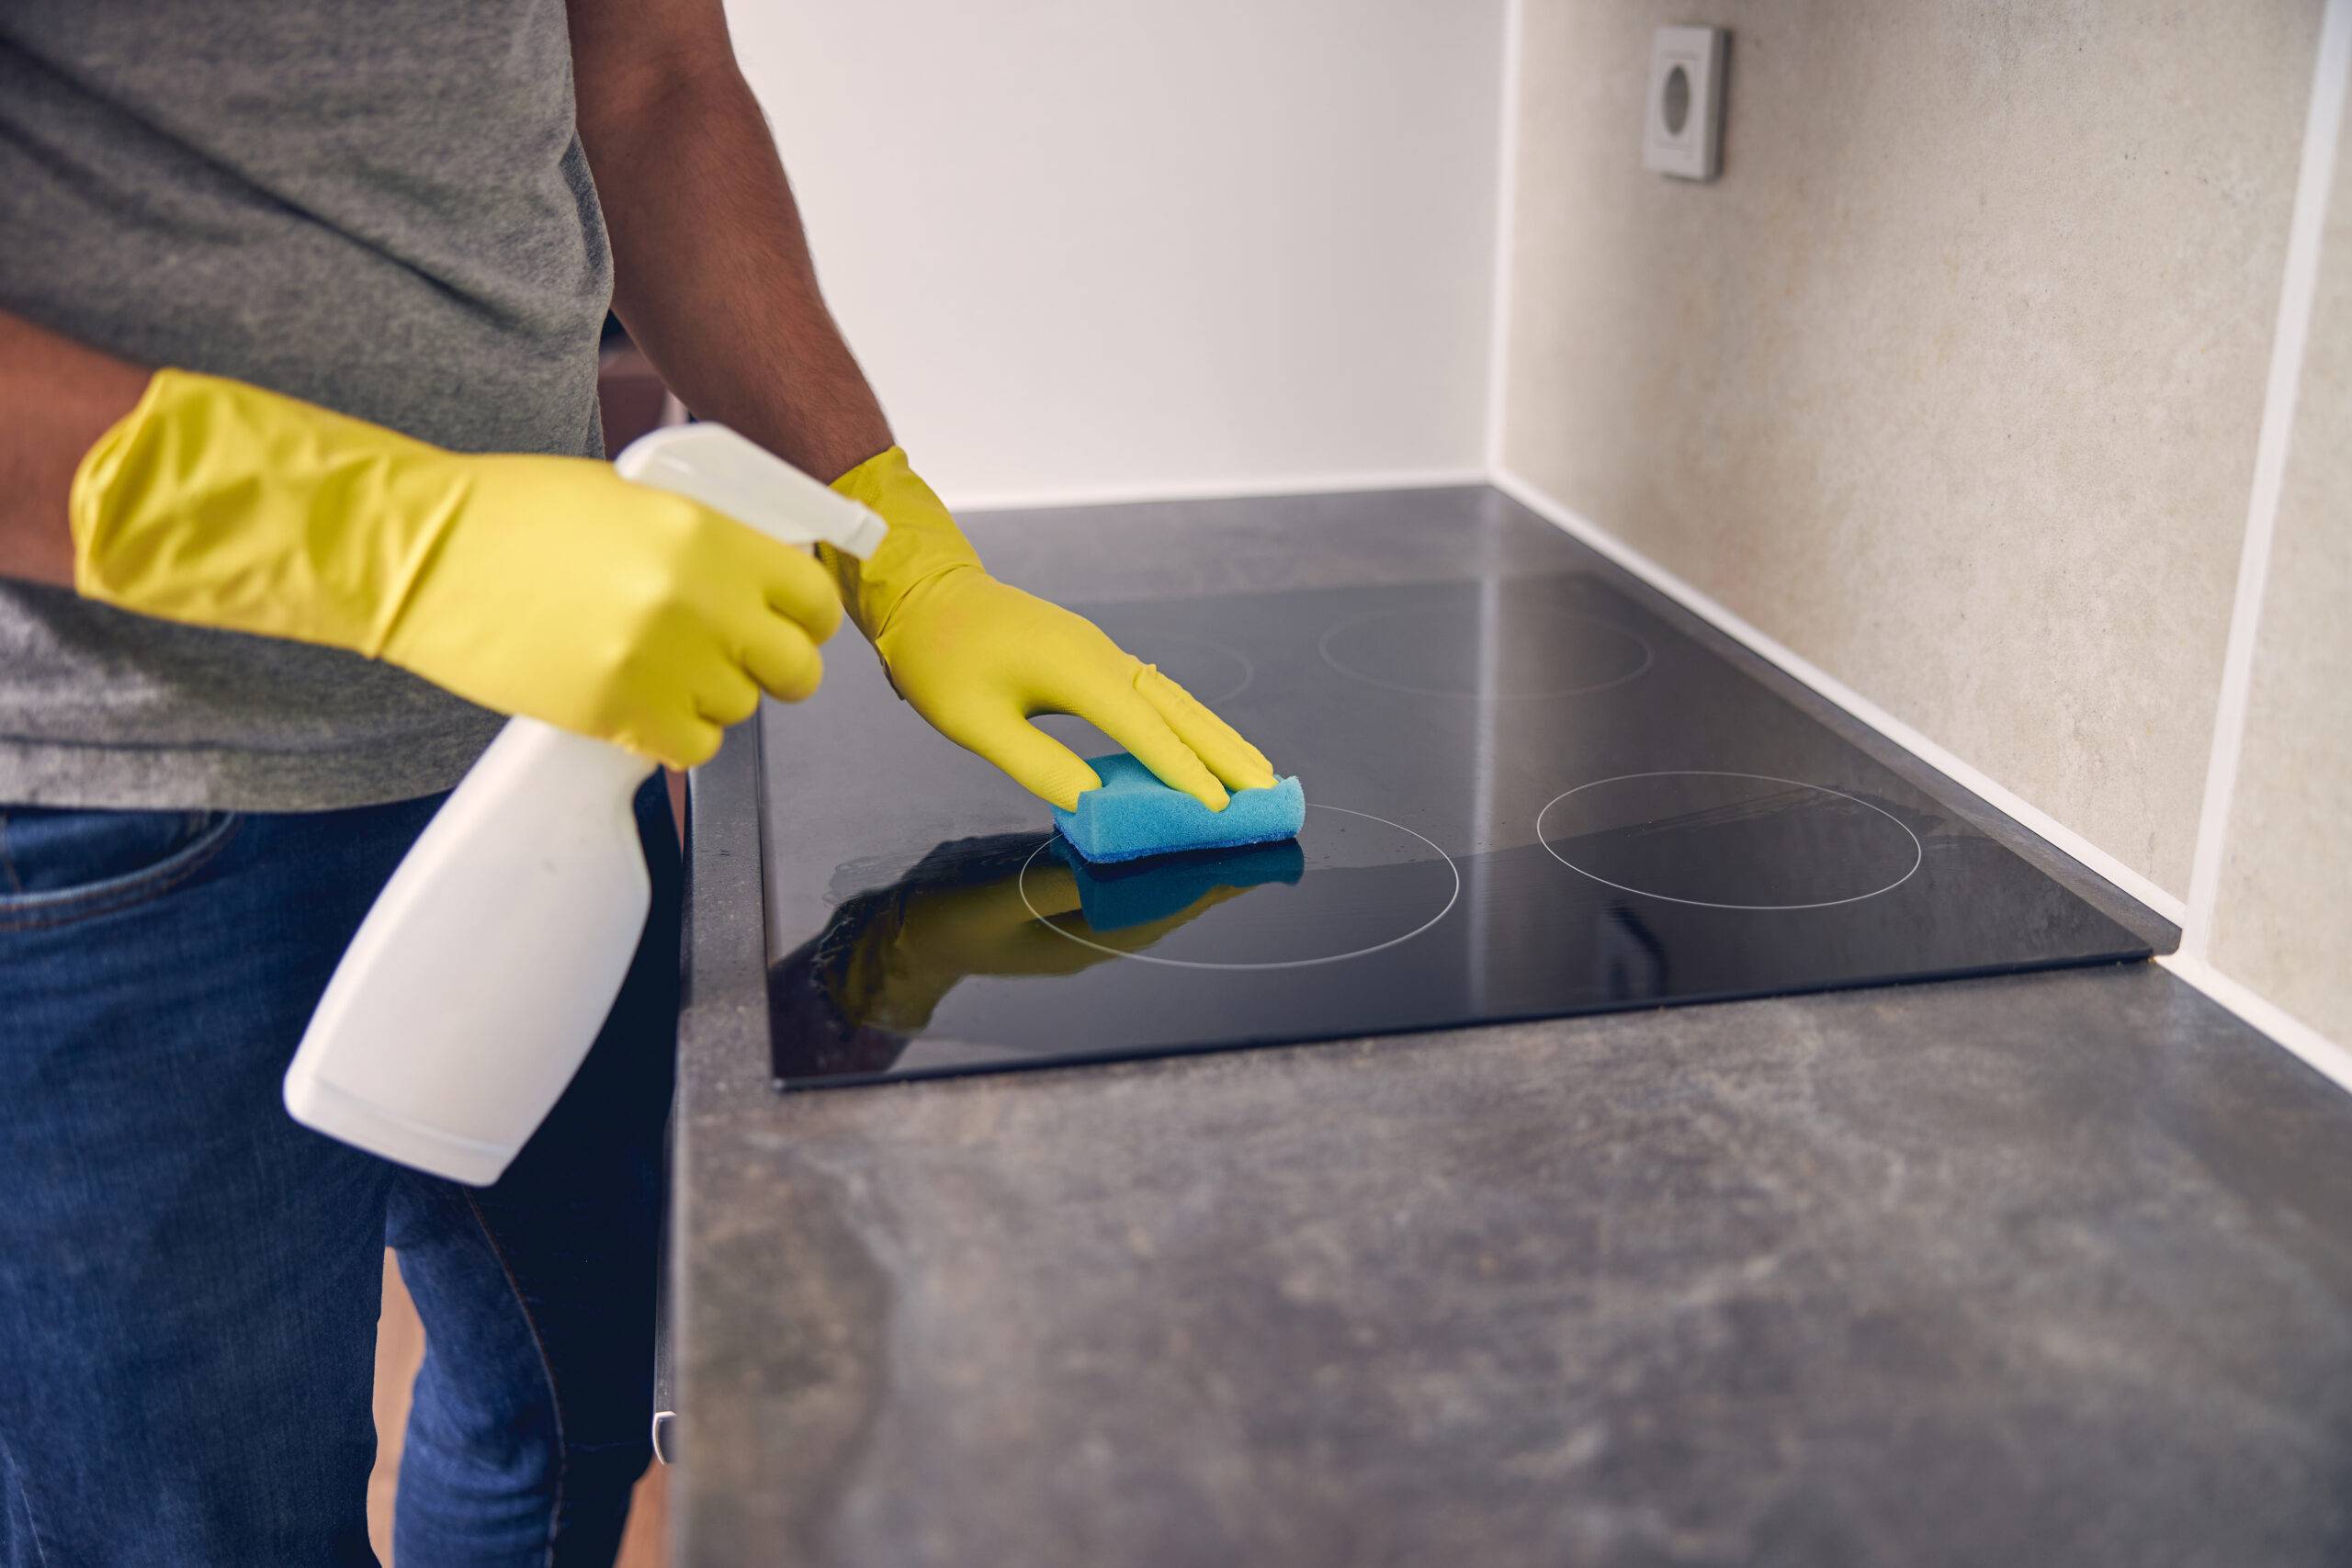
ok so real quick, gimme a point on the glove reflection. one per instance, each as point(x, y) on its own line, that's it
point(849, 1000)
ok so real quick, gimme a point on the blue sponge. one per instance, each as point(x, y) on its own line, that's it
point(1133, 815)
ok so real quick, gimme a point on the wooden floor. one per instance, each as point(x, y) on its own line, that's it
point(400, 1347)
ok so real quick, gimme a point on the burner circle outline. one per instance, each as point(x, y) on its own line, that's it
point(1021, 882)
point(1249, 669)
point(1918, 850)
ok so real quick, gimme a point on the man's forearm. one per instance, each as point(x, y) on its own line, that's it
point(712, 272)
point(57, 396)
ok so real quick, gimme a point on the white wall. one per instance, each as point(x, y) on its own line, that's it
point(1094, 248)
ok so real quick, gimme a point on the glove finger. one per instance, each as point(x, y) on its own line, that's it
point(1031, 758)
point(1137, 726)
point(1233, 759)
point(784, 661)
point(675, 739)
point(798, 587)
point(727, 696)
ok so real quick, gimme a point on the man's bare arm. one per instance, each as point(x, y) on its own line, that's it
point(57, 396)
point(712, 272)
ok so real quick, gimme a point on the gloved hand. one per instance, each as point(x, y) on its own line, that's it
point(547, 586)
point(979, 659)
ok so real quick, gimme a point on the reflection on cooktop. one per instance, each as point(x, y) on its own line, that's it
point(1529, 638)
point(1376, 883)
point(1543, 798)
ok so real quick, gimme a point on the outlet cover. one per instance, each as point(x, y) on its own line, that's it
point(1682, 133)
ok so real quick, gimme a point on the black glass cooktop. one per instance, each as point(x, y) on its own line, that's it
point(1526, 798)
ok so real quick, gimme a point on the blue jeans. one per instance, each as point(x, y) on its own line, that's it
point(189, 1281)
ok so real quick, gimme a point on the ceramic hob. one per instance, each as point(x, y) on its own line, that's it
point(1528, 796)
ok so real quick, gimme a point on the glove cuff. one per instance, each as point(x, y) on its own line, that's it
point(923, 541)
point(96, 478)
point(206, 504)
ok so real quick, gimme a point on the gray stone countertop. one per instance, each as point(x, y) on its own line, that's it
point(2042, 1268)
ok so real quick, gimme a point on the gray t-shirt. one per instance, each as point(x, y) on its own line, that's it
point(377, 204)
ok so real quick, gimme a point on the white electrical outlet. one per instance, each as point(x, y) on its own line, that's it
point(1682, 134)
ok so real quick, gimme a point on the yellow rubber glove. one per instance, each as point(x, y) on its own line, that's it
point(979, 659)
point(547, 586)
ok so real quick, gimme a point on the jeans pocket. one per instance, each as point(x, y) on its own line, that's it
point(61, 865)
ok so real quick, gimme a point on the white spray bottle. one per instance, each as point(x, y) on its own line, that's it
point(480, 979)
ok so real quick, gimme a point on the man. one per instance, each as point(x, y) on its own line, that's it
point(299, 311)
